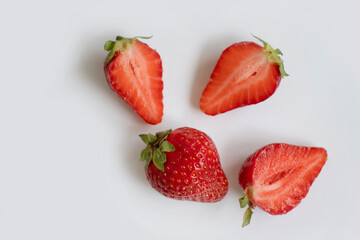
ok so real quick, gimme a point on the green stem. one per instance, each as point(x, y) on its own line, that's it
point(120, 44)
point(245, 201)
point(273, 55)
point(156, 146)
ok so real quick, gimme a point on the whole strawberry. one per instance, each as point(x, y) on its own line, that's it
point(134, 72)
point(245, 74)
point(184, 164)
point(277, 176)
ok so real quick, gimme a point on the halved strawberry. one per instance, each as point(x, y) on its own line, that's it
point(245, 74)
point(277, 176)
point(134, 72)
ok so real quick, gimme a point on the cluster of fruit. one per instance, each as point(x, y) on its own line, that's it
point(184, 164)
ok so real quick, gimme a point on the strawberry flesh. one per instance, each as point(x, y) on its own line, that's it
point(135, 75)
point(243, 75)
point(278, 176)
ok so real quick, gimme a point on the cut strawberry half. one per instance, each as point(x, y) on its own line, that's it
point(245, 74)
point(278, 176)
point(134, 72)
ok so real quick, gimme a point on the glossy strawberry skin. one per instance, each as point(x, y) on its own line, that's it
point(191, 172)
point(244, 75)
point(135, 75)
point(278, 176)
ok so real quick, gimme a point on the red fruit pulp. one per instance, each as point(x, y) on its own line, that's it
point(278, 176)
point(136, 76)
point(242, 76)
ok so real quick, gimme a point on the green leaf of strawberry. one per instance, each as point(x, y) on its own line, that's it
point(156, 148)
point(244, 201)
point(162, 136)
point(146, 155)
point(121, 44)
point(148, 138)
point(159, 158)
point(167, 147)
point(109, 45)
point(274, 56)
point(247, 217)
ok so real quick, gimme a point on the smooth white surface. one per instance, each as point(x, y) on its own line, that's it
point(69, 164)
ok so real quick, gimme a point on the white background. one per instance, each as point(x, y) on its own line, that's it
point(69, 152)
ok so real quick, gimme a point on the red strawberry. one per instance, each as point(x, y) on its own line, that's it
point(277, 176)
point(245, 74)
point(184, 164)
point(134, 72)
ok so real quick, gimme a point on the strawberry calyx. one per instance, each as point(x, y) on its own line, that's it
point(273, 55)
point(156, 146)
point(245, 201)
point(121, 44)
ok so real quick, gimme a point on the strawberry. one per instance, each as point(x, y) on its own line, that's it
point(184, 164)
point(134, 72)
point(278, 176)
point(245, 74)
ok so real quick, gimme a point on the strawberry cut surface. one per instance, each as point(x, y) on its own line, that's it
point(135, 74)
point(245, 74)
point(278, 176)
